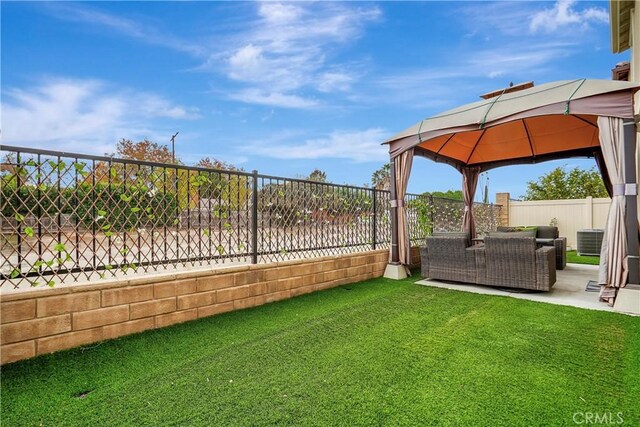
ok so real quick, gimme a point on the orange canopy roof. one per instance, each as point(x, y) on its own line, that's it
point(553, 120)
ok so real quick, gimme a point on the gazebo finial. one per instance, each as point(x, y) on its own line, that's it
point(511, 88)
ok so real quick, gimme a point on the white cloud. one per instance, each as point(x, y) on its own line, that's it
point(76, 13)
point(86, 115)
point(516, 59)
point(246, 63)
point(533, 40)
point(358, 146)
point(333, 81)
point(563, 14)
point(499, 18)
point(279, 13)
point(495, 74)
point(478, 64)
point(273, 99)
point(286, 50)
point(466, 76)
point(495, 19)
point(152, 105)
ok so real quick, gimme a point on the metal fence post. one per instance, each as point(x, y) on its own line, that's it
point(432, 213)
point(374, 225)
point(492, 220)
point(254, 219)
point(20, 203)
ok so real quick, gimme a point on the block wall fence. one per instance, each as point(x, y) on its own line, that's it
point(44, 321)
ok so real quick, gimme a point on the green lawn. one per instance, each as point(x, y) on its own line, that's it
point(375, 353)
point(573, 257)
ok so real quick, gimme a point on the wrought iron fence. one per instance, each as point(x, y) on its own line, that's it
point(426, 214)
point(67, 216)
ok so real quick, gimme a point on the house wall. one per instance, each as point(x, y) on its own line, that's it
point(571, 215)
point(44, 321)
point(633, 35)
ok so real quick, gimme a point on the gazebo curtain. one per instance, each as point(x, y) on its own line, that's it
point(602, 167)
point(469, 185)
point(402, 166)
point(613, 256)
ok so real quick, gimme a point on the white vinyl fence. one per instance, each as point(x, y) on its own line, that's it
point(570, 215)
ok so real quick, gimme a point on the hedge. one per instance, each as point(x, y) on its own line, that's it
point(118, 206)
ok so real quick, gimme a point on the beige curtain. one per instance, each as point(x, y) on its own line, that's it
point(402, 165)
point(603, 172)
point(469, 185)
point(613, 256)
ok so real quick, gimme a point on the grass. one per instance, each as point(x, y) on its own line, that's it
point(379, 352)
point(573, 257)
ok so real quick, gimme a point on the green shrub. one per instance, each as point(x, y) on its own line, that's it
point(123, 207)
point(31, 200)
point(114, 207)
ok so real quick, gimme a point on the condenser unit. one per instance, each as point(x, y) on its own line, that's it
point(590, 242)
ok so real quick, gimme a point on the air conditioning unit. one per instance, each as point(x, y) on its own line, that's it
point(590, 242)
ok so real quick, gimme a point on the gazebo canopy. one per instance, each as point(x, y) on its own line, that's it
point(550, 121)
point(555, 120)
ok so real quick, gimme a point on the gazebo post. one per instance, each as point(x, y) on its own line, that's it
point(631, 196)
point(628, 298)
point(395, 255)
point(394, 269)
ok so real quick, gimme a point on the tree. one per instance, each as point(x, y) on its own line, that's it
point(213, 163)
point(381, 178)
point(562, 184)
point(8, 164)
point(317, 176)
point(225, 190)
point(449, 194)
point(144, 150)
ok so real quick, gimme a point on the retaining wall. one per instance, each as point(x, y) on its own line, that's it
point(43, 321)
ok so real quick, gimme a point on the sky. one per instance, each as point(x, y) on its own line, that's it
point(283, 88)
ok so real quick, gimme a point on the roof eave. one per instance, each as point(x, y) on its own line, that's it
point(620, 24)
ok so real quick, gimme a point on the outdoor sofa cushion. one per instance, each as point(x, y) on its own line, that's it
point(547, 232)
point(464, 234)
point(512, 234)
point(542, 231)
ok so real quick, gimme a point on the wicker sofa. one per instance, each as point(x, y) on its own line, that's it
point(547, 232)
point(514, 262)
point(449, 258)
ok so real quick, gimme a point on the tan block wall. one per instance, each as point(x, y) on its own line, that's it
point(502, 199)
point(48, 320)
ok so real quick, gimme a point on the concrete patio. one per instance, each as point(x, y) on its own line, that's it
point(568, 290)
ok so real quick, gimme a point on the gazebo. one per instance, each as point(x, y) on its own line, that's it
point(531, 124)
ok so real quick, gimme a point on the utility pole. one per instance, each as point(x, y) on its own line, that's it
point(485, 198)
point(173, 147)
